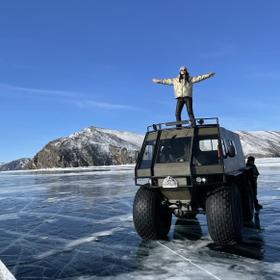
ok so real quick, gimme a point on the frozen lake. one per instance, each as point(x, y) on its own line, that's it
point(77, 224)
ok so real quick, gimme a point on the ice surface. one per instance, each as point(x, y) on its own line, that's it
point(76, 223)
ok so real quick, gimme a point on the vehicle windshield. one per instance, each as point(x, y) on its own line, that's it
point(174, 150)
point(206, 151)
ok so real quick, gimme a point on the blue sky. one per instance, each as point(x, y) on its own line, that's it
point(69, 64)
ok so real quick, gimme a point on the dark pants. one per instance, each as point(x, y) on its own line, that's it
point(180, 104)
point(256, 202)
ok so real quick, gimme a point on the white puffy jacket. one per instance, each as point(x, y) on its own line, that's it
point(184, 88)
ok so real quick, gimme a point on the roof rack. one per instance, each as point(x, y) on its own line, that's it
point(200, 122)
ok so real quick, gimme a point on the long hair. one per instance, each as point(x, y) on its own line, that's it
point(187, 77)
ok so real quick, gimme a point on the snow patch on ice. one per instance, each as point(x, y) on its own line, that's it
point(76, 170)
point(5, 274)
point(5, 217)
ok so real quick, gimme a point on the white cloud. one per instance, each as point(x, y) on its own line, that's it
point(74, 98)
point(46, 92)
point(101, 105)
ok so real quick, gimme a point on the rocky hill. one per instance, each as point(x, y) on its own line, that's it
point(91, 146)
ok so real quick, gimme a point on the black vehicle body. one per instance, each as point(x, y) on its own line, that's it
point(194, 170)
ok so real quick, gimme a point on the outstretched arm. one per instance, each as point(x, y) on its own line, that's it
point(199, 78)
point(163, 81)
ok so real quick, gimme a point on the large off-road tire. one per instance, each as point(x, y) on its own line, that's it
point(152, 220)
point(223, 210)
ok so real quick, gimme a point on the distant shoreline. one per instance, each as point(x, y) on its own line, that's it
point(79, 168)
point(267, 161)
point(259, 161)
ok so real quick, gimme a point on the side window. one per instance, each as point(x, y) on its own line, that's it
point(224, 148)
point(207, 151)
point(148, 155)
point(231, 148)
point(208, 145)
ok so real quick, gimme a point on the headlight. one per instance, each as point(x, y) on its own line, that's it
point(201, 180)
point(198, 180)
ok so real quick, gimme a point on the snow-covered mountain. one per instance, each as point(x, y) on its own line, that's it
point(99, 146)
point(15, 164)
point(260, 143)
point(90, 146)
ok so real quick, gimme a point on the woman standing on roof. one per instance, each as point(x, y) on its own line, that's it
point(183, 90)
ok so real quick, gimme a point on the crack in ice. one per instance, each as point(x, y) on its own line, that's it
point(190, 261)
point(77, 242)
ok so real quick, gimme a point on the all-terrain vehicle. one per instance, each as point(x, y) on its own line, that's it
point(187, 170)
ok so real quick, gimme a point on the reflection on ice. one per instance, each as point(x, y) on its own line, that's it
point(77, 224)
point(187, 229)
